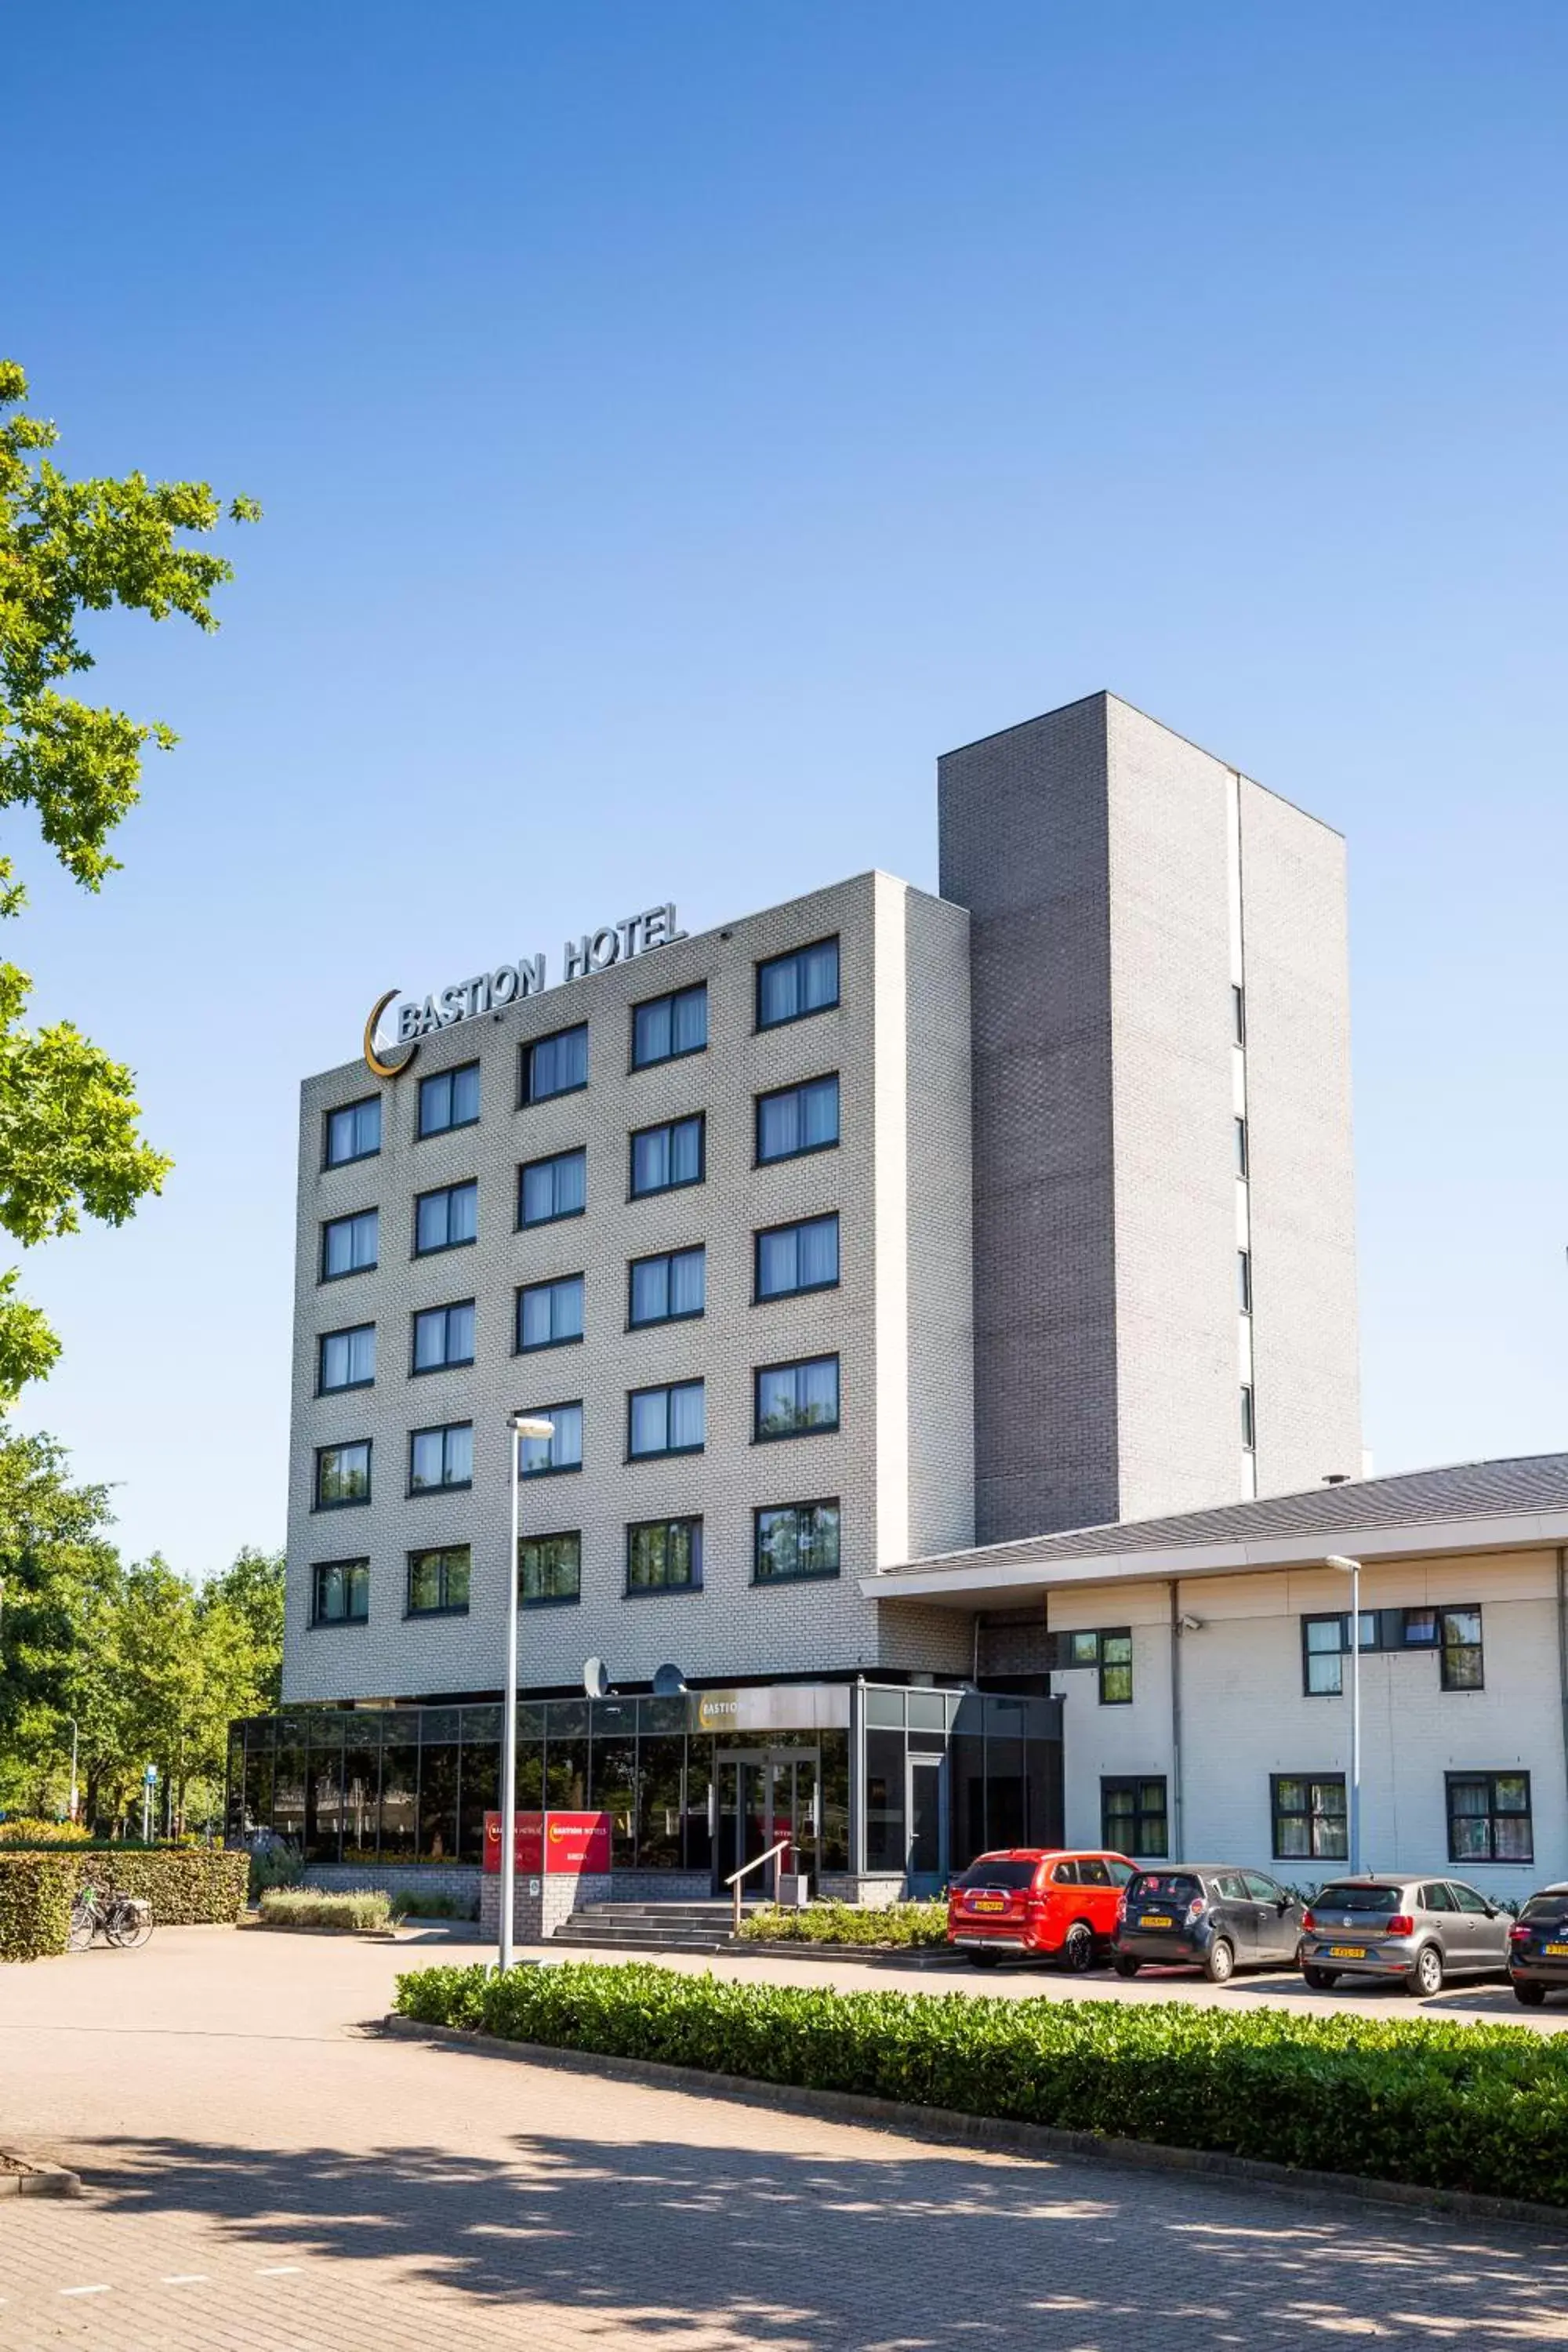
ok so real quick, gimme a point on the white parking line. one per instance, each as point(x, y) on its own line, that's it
point(186, 2278)
point(279, 2270)
point(85, 2290)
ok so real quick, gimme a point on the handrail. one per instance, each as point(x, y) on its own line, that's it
point(746, 1869)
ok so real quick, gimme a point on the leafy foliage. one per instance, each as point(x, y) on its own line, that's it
point(188, 1886)
point(68, 1140)
point(277, 1863)
point(35, 1894)
point(890, 1926)
point(1481, 2108)
point(354, 1909)
point(19, 1831)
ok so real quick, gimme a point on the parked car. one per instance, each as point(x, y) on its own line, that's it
point(1042, 1901)
point(1538, 1947)
point(1214, 1915)
point(1388, 1925)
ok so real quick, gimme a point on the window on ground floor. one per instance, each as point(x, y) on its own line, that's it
point(1310, 1818)
point(1134, 1815)
point(1489, 1817)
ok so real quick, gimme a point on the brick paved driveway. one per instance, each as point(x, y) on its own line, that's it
point(263, 2173)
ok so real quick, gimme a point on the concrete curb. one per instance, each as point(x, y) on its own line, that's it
point(40, 2180)
point(1041, 2141)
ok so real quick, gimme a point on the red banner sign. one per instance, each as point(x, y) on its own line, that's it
point(551, 1842)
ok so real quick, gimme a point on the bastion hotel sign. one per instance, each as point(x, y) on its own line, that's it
point(490, 992)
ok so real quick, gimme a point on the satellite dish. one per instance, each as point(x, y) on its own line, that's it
point(596, 1677)
point(669, 1682)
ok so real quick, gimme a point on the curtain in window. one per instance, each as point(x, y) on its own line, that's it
point(427, 1460)
point(817, 1394)
point(686, 1282)
point(686, 1414)
point(650, 1422)
point(650, 1290)
point(689, 1026)
point(819, 1113)
point(819, 1253)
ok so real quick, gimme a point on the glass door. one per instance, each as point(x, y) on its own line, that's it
point(742, 1816)
point(795, 1811)
point(927, 1864)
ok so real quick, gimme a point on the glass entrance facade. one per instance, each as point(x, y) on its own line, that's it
point(865, 1781)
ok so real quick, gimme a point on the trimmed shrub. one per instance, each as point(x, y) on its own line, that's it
point(1480, 2107)
point(276, 1864)
point(35, 1894)
point(437, 1906)
point(306, 1906)
point(188, 1886)
point(895, 1928)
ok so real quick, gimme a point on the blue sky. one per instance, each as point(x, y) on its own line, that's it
point(677, 424)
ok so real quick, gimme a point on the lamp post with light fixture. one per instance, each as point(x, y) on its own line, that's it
point(519, 1427)
point(1351, 1568)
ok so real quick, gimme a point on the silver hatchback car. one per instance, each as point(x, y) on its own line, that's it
point(1388, 1925)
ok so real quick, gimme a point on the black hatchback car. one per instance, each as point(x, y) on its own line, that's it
point(1214, 1915)
point(1538, 1947)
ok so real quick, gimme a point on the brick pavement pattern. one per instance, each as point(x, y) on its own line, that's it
point(264, 2171)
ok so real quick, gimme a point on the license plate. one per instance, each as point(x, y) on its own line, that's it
point(1347, 1951)
point(987, 1903)
point(1555, 1951)
point(1156, 1919)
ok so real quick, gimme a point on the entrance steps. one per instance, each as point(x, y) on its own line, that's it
point(651, 1927)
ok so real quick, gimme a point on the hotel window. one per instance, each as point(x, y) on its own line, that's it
point(1238, 1013)
point(664, 1556)
point(797, 1120)
point(666, 1420)
point(1324, 1642)
point(347, 1359)
point(343, 1475)
point(802, 1257)
point(1108, 1650)
point(538, 1457)
point(795, 1540)
point(444, 1336)
point(340, 1592)
point(349, 1244)
point(549, 1569)
point(795, 1400)
point(353, 1132)
point(442, 1457)
point(549, 1314)
point(1133, 1816)
point(669, 1026)
point(1249, 1419)
point(1463, 1663)
point(1309, 1820)
point(556, 1187)
point(439, 1582)
point(449, 1099)
point(1241, 1149)
point(1489, 1817)
point(669, 1289)
point(448, 1219)
point(1244, 1280)
point(1454, 1633)
point(791, 986)
point(556, 1064)
point(664, 1158)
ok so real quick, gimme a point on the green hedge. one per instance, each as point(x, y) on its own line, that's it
point(895, 1925)
point(35, 1895)
point(305, 1907)
point(188, 1886)
point(1481, 2108)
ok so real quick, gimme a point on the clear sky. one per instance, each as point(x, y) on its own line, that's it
point(677, 424)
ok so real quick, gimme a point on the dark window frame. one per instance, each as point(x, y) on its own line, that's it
point(360, 1617)
point(800, 1575)
point(1493, 1814)
point(670, 1521)
point(1249, 1418)
point(349, 1217)
point(443, 1430)
point(443, 1552)
point(1312, 1814)
point(554, 1469)
point(417, 1371)
point(665, 1389)
point(802, 1150)
point(572, 1600)
point(1065, 1659)
point(445, 1192)
point(792, 955)
point(1448, 1649)
point(550, 1159)
point(347, 1502)
point(667, 1126)
point(526, 1098)
point(1243, 1146)
point(665, 1257)
point(422, 1134)
point(551, 1282)
point(1399, 1631)
point(812, 1429)
point(1243, 1281)
point(351, 1158)
point(339, 1388)
point(1142, 1847)
point(761, 1297)
point(677, 1053)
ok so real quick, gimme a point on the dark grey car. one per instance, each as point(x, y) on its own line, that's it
point(1386, 1924)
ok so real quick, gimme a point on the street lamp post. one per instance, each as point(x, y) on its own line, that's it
point(1351, 1568)
point(519, 1427)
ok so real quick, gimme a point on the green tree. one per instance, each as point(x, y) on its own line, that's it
point(69, 1141)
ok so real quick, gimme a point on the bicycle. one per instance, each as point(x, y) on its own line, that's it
point(124, 1920)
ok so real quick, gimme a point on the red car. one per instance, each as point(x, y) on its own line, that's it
point(1054, 1903)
